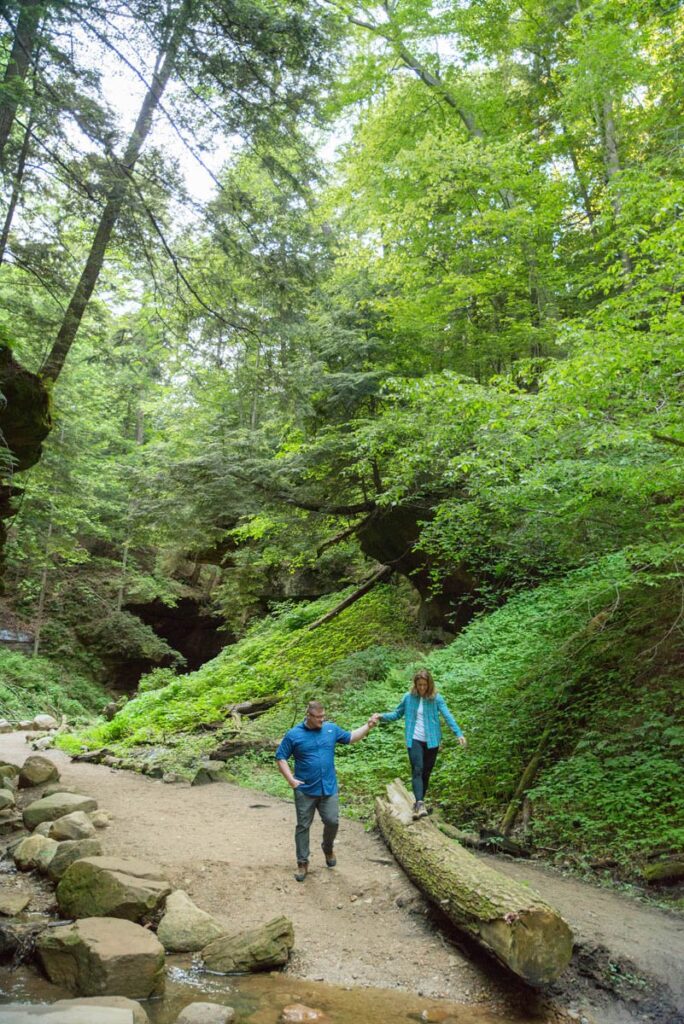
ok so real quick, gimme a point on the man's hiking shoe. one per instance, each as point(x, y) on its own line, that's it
point(300, 873)
point(419, 810)
point(330, 858)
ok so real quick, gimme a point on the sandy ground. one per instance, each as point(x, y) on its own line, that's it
point(362, 923)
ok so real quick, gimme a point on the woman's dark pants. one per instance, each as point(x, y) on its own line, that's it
point(422, 760)
point(306, 806)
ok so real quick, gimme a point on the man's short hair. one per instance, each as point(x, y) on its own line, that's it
point(314, 705)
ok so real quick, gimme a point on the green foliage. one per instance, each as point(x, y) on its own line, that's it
point(278, 656)
point(29, 686)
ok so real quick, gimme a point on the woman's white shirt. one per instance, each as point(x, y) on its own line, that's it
point(419, 731)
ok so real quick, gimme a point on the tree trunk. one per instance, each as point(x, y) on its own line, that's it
point(526, 780)
point(115, 200)
point(17, 67)
point(508, 920)
point(43, 592)
point(16, 189)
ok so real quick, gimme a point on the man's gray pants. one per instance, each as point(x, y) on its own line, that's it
point(306, 806)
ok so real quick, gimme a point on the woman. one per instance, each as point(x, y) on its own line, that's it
point(422, 706)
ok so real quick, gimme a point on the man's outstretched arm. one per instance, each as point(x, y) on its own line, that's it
point(363, 730)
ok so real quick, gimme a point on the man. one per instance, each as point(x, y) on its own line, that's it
point(312, 743)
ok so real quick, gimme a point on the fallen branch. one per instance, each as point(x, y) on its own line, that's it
point(382, 574)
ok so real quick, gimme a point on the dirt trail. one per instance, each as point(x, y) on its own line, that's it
point(361, 924)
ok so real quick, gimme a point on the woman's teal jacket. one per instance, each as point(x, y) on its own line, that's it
point(432, 708)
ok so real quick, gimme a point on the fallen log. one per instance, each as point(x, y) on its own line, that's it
point(236, 746)
point(507, 919)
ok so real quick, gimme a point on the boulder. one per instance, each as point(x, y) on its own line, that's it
point(111, 887)
point(58, 787)
point(298, 1013)
point(49, 808)
point(26, 725)
point(8, 771)
point(258, 949)
point(206, 1013)
point(7, 799)
point(68, 852)
point(5, 726)
point(99, 956)
point(34, 853)
point(185, 928)
point(45, 722)
point(43, 829)
point(138, 1015)
point(76, 825)
point(100, 819)
point(12, 903)
point(210, 771)
point(37, 770)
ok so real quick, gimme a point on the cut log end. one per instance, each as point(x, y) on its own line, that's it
point(535, 944)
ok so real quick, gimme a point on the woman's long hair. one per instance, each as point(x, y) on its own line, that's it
point(425, 674)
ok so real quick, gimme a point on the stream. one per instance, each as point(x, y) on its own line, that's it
point(260, 998)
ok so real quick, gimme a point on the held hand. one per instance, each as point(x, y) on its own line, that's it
point(463, 741)
point(373, 720)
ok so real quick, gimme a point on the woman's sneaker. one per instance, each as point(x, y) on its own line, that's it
point(419, 810)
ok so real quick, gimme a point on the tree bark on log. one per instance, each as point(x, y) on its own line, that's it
point(508, 920)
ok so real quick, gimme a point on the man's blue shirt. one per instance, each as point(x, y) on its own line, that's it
point(314, 756)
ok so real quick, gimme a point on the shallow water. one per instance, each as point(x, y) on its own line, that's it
point(259, 999)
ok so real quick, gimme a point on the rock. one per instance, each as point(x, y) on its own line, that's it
point(49, 808)
point(45, 722)
point(12, 903)
point(100, 819)
point(31, 1013)
point(25, 725)
point(58, 787)
point(109, 710)
point(10, 821)
point(68, 852)
point(185, 928)
point(111, 887)
point(76, 825)
point(34, 853)
point(103, 956)
point(206, 1013)
point(297, 1013)
point(5, 726)
point(9, 770)
point(210, 771)
point(171, 777)
point(44, 742)
point(36, 770)
point(7, 799)
point(138, 1015)
point(43, 829)
point(258, 949)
